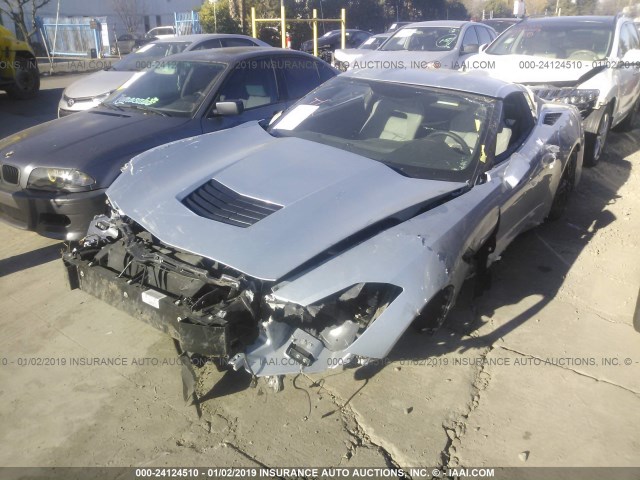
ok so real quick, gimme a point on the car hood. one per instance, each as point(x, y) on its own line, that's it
point(97, 84)
point(89, 141)
point(404, 59)
point(349, 54)
point(530, 70)
point(326, 195)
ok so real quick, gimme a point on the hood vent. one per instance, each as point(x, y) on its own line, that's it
point(551, 118)
point(214, 201)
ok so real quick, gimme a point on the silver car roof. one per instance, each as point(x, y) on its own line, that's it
point(475, 82)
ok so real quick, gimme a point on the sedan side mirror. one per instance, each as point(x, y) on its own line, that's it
point(483, 47)
point(226, 109)
point(470, 48)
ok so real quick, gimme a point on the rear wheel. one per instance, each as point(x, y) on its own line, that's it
point(564, 190)
point(26, 80)
point(597, 141)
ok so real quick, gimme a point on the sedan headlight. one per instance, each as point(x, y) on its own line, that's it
point(584, 99)
point(60, 179)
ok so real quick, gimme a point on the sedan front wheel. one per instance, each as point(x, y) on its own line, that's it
point(597, 141)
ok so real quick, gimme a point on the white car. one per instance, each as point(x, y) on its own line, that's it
point(343, 57)
point(92, 89)
point(590, 62)
point(435, 44)
point(160, 32)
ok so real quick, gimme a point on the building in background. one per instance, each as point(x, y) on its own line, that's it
point(142, 14)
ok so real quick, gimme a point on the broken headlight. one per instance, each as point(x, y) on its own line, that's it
point(338, 319)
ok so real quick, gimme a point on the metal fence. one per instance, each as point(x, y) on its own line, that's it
point(72, 36)
point(187, 23)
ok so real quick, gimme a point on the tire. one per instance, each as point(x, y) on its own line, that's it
point(627, 124)
point(435, 312)
point(596, 142)
point(27, 79)
point(564, 190)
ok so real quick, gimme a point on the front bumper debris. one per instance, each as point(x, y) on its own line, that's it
point(151, 306)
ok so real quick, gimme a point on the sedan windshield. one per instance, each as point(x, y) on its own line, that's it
point(425, 39)
point(143, 57)
point(373, 42)
point(419, 132)
point(579, 41)
point(172, 88)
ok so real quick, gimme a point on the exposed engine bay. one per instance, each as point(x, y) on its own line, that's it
point(214, 310)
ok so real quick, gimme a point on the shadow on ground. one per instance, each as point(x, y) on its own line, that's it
point(30, 259)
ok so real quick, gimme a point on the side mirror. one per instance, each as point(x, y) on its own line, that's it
point(516, 170)
point(227, 109)
point(470, 48)
point(631, 58)
point(483, 47)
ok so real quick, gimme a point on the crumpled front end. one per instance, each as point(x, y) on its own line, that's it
point(216, 311)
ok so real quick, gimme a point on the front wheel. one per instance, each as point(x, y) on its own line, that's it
point(26, 82)
point(595, 142)
point(565, 188)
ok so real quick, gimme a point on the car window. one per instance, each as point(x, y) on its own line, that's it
point(206, 45)
point(470, 37)
point(358, 38)
point(143, 57)
point(237, 42)
point(635, 39)
point(516, 123)
point(300, 75)
point(628, 40)
point(174, 88)
point(427, 39)
point(253, 82)
point(483, 35)
point(420, 132)
point(325, 71)
point(574, 41)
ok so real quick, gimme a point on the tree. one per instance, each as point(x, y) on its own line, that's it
point(216, 18)
point(17, 10)
point(539, 7)
point(130, 13)
point(500, 8)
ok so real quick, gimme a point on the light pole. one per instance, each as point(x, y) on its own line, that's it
point(215, 17)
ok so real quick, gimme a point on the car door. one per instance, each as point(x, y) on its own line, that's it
point(526, 166)
point(626, 76)
point(253, 82)
point(469, 39)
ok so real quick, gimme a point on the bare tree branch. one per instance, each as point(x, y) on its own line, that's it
point(130, 13)
point(15, 9)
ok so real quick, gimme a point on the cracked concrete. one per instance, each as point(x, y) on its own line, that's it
point(477, 393)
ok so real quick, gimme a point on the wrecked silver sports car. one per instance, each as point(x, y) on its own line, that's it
point(317, 240)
